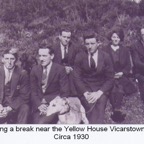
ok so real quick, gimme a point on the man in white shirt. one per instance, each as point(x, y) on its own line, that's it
point(93, 74)
point(65, 52)
point(14, 90)
point(48, 80)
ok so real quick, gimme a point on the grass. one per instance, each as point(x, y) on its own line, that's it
point(132, 106)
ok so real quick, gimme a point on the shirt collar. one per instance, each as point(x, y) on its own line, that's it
point(6, 70)
point(49, 65)
point(62, 46)
point(115, 48)
point(95, 53)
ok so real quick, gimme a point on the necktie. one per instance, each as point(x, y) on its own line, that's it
point(65, 52)
point(65, 59)
point(44, 79)
point(92, 62)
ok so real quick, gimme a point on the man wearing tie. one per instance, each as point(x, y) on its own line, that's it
point(93, 75)
point(137, 53)
point(14, 90)
point(65, 53)
point(64, 50)
point(48, 80)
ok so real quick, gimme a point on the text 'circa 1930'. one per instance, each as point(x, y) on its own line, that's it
point(71, 132)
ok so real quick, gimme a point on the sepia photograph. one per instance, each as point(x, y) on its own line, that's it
point(72, 62)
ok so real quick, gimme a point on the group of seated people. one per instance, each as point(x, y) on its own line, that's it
point(93, 74)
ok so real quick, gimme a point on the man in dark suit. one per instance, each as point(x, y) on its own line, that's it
point(137, 53)
point(65, 53)
point(48, 80)
point(93, 74)
point(14, 90)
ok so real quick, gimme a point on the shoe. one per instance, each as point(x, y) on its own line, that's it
point(118, 116)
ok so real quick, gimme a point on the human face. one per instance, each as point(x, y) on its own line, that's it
point(9, 61)
point(142, 34)
point(44, 57)
point(91, 45)
point(115, 39)
point(65, 38)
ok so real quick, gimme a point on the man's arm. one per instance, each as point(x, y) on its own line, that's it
point(136, 59)
point(77, 73)
point(108, 74)
point(127, 66)
point(34, 89)
point(64, 84)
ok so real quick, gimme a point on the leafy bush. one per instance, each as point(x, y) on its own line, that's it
point(28, 23)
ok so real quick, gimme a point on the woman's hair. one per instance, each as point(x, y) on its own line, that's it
point(119, 32)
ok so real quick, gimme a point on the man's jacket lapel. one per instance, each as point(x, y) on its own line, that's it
point(2, 82)
point(51, 74)
point(14, 80)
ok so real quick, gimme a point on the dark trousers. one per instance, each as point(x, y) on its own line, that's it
point(122, 86)
point(141, 86)
point(19, 116)
point(73, 90)
point(42, 119)
point(95, 112)
point(116, 97)
point(117, 93)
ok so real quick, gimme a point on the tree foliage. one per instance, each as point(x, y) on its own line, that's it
point(25, 23)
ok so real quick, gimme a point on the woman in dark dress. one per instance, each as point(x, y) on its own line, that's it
point(122, 66)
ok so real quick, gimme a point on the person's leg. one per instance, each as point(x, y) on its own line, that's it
point(73, 90)
point(12, 117)
point(141, 89)
point(20, 116)
point(23, 114)
point(95, 112)
point(116, 98)
point(42, 119)
point(3, 120)
point(100, 109)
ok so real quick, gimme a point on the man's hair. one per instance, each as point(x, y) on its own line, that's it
point(65, 29)
point(51, 51)
point(90, 34)
point(118, 31)
point(139, 36)
point(142, 28)
point(10, 51)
